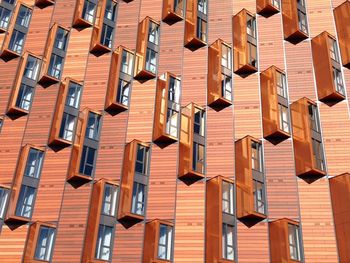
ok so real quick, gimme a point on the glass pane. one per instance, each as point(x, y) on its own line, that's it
point(25, 201)
point(24, 98)
point(89, 11)
point(23, 17)
point(110, 10)
point(34, 162)
point(16, 41)
point(61, 38)
point(153, 35)
point(5, 16)
point(3, 201)
point(73, 96)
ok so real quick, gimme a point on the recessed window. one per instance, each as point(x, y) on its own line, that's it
point(252, 54)
point(23, 17)
point(138, 199)
point(127, 62)
point(93, 126)
point(24, 97)
point(259, 196)
point(202, 29)
point(198, 163)
point(34, 163)
point(111, 10)
point(283, 118)
point(172, 122)
point(226, 86)
point(123, 92)
point(178, 6)
point(281, 84)
point(4, 194)
point(153, 35)
point(226, 56)
point(227, 241)
point(32, 68)
point(276, 3)
point(104, 242)
point(338, 81)
point(294, 242)
point(87, 161)
point(109, 204)
point(228, 198)
point(55, 67)
point(302, 21)
point(313, 114)
point(199, 119)
point(333, 49)
point(141, 165)
point(107, 36)
point(174, 90)
point(61, 38)
point(67, 127)
point(5, 16)
point(202, 6)
point(44, 244)
point(318, 154)
point(25, 203)
point(165, 242)
point(17, 41)
point(73, 96)
point(89, 10)
point(251, 26)
point(151, 60)
point(256, 157)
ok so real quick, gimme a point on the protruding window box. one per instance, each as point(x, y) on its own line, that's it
point(250, 181)
point(244, 43)
point(4, 199)
point(329, 80)
point(154, 251)
point(285, 241)
point(340, 193)
point(268, 7)
point(173, 11)
point(307, 141)
point(192, 144)
point(219, 75)
point(84, 13)
point(342, 21)
point(295, 26)
point(274, 103)
point(167, 111)
point(44, 3)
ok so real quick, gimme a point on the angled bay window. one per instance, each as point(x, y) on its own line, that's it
point(285, 241)
point(167, 111)
point(192, 144)
point(342, 22)
point(250, 179)
point(219, 74)
point(66, 113)
point(147, 49)
point(196, 24)
point(54, 55)
point(85, 13)
point(84, 154)
point(295, 26)
point(101, 222)
point(4, 197)
point(104, 28)
point(220, 222)
point(173, 11)
point(158, 241)
point(244, 43)
point(120, 80)
point(328, 73)
point(5, 16)
point(1, 122)
point(307, 140)
point(268, 7)
point(25, 185)
point(274, 103)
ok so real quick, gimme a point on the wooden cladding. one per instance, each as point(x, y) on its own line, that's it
point(340, 193)
point(151, 241)
point(274, 104)
point(279, 241)
point(219, 74)
point(306, 166)
point(244, 43)
point(192, 39)
point(342, 21)
point(329, 80)
point(173, 11)
point(268, 7)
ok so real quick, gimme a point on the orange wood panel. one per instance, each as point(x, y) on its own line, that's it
point(250, 5)
point(8, 73)
point(151, 8)
point(12, 244)
point(317, 9)
point(219, 17)
point(64, 12)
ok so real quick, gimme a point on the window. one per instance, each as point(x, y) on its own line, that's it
point(226, 56)
point(61, 38)
point(11, 2)
point(252, 54)
point(17, 41)
point(32, 68)
point(89, 10)
point(127, 62)
point(198, 162)
point(276, 3)
point(23, 17)
point(251, 26)
point(138, 199)
point(227, 241)
point(281, 84)
point(104, 242)
point(109, 204)
point(301, 3)
point(123, 92)
point(87, 161)
point(338, 81)
point(55, 67)
point(24, 98)
point(294, 242)
point(5, 16)
point(25, 203)
point(202, 6)
point(4, 193)
point(151, 60)
point(302, 21)
point(202, 29)
point(333, 49)
point(259, 196)
point(141, 165)
point(199, 119)
point(73, 95)
point(283, 118)
point(1, 123)
point(67, 127)
point(318, 154)
point(107, 36)
point(174, 90)
point(227, 198)
point(111, 8)
point(315, 125)
point(153, 35)
point(34, 163)
point(93, 126)
point(256, 157)
point(178, 6)
point(226, 85)
point(165, 242)
point(44, 244)
point(171, 122)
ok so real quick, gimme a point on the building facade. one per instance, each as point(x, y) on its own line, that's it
point(174, 131)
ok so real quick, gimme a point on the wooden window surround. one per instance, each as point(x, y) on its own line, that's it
point(74, 176)
point(279, 243)
point(160, 133)
point(150, 251)
point(323, 65)
point(44, 3)
point(342, 22)
point(340, 193)
point(78, 20)
point(292, 32)
point(244, 64)
point(216, 96)
point(266, 8)
point(143, 43)
point(54, 138)
point(9, 7)
point(305, 163)
point(215, 218)
point(245, 174)
point(11, 217)
point(95, 218)
point(171, 13)
point(186, 172)
point(112, 104)
point(192, 41)
point(270, 100)
point(32, 240)
point(4, 205)
point(125, 215)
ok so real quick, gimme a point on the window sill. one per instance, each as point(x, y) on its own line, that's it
point(296, 37)
point(220, 103)
point(15, 111)
point(44, 3)
point(191, 177)
point(46, 80)
point(195, 43)
point(115, 108)
point(129, 219)
point(77, 180)
point(171, 18)
point(8, 54)
point(81, 23)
